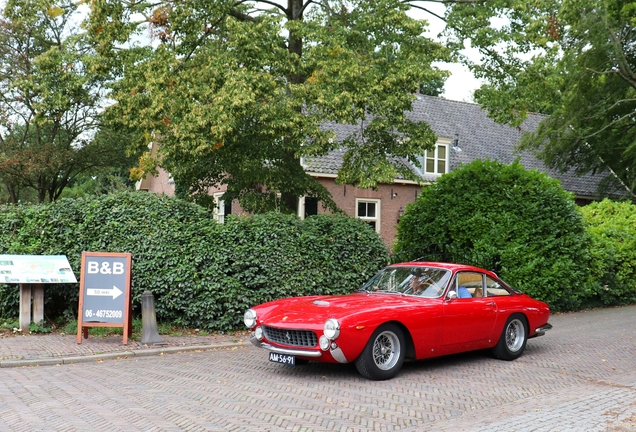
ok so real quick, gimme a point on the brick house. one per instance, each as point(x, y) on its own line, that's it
point(465, 134)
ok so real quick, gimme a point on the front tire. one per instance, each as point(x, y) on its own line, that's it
point(383, 355)
point(513, 338)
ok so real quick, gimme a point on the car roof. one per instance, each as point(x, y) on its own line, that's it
point(443, 265)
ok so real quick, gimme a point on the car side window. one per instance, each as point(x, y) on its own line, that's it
point(494, 288)
point(469, 285)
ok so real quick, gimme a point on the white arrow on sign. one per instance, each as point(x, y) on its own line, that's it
point(115, 292)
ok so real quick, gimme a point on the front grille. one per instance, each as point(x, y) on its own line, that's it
point(305, 338)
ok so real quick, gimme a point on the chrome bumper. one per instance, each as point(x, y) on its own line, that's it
point(541, 330)
point(295, 352)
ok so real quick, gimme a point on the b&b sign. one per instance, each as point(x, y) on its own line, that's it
point(104, 299)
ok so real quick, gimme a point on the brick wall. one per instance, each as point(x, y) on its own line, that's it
point(390, 197)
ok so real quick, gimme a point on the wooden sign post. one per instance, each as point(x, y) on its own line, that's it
point(104, 298)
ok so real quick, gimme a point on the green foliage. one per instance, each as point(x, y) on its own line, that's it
point(202, 274)
point(571, 59)
point(612, 228)
point(11, 324)
point(70, 327)
point(237, 93)
point(100, 184)
point(51, 103)
point(522, 218)
point(40, 327)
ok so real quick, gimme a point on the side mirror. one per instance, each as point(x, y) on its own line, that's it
point(451, 295)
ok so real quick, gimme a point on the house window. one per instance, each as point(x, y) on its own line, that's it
point(435, 161)
point(307, 206)
point(221, 208)
point(369, 211)
point(311, 206)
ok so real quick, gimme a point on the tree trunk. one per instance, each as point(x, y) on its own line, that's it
point(295, 46)
point(41, 190)
point(13, 195)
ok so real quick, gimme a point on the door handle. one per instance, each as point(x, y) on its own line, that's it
point(491, 304)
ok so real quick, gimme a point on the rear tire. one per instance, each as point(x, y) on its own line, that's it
point(513, 338)
point(383, 355)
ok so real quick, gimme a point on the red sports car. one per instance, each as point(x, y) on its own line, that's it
point(412, 311)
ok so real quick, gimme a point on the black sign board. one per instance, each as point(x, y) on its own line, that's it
point(104, 299)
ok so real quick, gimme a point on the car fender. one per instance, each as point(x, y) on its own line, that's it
point(356, 330)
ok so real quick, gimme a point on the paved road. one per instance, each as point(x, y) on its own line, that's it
point(581, 376)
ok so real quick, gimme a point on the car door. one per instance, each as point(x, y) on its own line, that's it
point(471, 317)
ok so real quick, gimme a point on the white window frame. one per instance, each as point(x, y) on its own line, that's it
point(378, 209)
point(441, 142)
point(219, 207)
point(301, 205)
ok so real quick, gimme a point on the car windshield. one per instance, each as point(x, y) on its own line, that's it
point(422, 281)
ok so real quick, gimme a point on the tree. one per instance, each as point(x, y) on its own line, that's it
point(523, 219)
point(238, 92)
point(50, 100)
point(574, 60)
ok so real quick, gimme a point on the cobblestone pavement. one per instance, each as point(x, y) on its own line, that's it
point(581, 376)
point(43, 349)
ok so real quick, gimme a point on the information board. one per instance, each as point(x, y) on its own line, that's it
point(104, 299)
point(36, 269)
point(31, 273)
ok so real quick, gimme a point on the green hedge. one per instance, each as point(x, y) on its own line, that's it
point(523, 219)
point(202, 274)
point(612, 227)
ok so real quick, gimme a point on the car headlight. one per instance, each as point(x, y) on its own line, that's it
point(332, 328)
point(324, 343)
point(258, 333)
point(249, 318)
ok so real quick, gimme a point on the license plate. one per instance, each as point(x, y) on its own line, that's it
point(285, 359)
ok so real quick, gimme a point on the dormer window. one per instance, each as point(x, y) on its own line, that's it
point(435, 162)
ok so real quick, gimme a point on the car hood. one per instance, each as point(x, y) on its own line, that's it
point(315, 310)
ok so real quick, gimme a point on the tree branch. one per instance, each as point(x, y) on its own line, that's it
point(608, 125)
point(629, 191)
point(625, 70)
point(306, 5)
point(414, 6)
point(271, 3)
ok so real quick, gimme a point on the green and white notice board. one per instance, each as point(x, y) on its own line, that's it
point(32, 272)
point(39, 269)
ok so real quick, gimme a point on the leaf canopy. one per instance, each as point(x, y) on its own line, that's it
point(50, 100)
point(237, 94)
point(571, 59)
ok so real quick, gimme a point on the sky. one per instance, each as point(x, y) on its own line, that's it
point(461, 84)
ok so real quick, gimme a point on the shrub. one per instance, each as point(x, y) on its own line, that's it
point(201, 273)
point(612, 228)
point(524, 219)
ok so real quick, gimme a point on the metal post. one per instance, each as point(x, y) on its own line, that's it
point(149, 334)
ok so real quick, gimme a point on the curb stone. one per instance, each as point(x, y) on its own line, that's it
point(116, 355)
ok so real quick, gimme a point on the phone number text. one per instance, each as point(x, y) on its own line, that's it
point(103, 313)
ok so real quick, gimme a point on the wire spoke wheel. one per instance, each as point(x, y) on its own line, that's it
point(515, 335)
point(384, 353)
point(386, 350)
point(513, 338)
